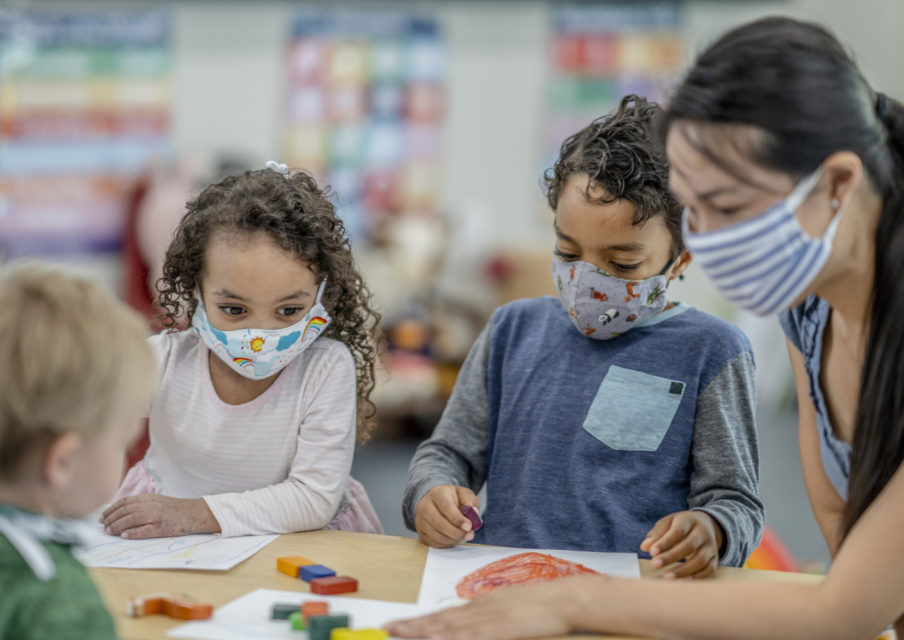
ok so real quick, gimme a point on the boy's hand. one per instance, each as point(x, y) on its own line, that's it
point(692, 536)
point(437, 518)
point(152, 515)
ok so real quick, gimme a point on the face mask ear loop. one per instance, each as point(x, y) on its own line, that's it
point(320, 291)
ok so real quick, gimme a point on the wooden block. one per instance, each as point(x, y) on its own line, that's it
point(297, 621)
point(177, 608)
point(358, 634)
point(282, 611)
point(311, 571)
point(333, 584)
point(319, 627)
point(291, 564)
point(314, 608)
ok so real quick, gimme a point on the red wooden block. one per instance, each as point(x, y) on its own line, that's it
point(333, 585)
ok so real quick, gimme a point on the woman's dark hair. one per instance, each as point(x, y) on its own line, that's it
point(299, 217)
point(621, 153)
point(795, 87)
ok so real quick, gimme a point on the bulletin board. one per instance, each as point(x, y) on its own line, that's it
point(599, 53)
point(84, 104)
point(365, 105)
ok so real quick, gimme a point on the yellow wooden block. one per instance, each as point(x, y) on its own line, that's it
point(358, 634)
point(291, 564)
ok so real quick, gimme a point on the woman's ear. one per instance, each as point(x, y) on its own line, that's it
point(681, 263)
point(843, 173)
point(60, 458)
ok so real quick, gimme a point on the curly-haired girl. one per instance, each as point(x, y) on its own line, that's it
point(254, 419)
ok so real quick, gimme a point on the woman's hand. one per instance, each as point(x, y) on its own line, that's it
point(537, 610)
point(152, 515)
point(692, 536)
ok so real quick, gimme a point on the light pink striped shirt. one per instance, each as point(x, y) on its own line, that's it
point(277, 464)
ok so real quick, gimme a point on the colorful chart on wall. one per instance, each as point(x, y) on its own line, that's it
point(452, 576)
point(365, 105)
point(599, 53)
point(84, 103)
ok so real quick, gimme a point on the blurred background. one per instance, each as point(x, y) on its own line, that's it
point(433, 123)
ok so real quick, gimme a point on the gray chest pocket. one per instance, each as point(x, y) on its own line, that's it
point(632, 410)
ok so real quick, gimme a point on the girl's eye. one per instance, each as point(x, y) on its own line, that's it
point(625, 267)
point(231, 310)
point(567, 257)
point(289, 312)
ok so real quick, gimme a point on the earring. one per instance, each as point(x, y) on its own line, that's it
point(835, 203)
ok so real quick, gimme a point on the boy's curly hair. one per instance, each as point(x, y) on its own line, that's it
point(621, 153)
point(298, 215)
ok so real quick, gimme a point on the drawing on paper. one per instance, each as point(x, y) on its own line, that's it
point(521, 568)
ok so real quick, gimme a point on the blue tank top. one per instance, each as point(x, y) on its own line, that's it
point(805, 327)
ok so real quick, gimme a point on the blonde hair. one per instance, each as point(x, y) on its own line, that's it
point(72, 359)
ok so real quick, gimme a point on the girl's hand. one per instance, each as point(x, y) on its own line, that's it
point(438, 521)
point(692, 536)
point(544, 609)
point(152, 515)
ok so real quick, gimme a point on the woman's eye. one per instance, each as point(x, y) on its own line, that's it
point(567, 257)
point(289, 312)
point(625, 267)
point(230, 310)
point(729, 211)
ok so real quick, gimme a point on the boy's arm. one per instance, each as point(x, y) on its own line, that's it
point(725, 479)
point(456, 453)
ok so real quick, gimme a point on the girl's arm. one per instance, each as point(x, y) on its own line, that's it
point(827, 505)
point(862, 594)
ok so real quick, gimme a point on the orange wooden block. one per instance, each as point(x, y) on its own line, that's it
point(313, 609)
point(177, 608)
point(291, 564)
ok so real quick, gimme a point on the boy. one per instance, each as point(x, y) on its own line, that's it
point(77, 377)
point(610, 419)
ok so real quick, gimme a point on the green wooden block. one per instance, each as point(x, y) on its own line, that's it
point(319, 627)
point(297, 621)
point(282, 611)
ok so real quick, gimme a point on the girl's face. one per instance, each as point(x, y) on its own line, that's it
point(715, 198)
point(249, 281)
point(604, 234)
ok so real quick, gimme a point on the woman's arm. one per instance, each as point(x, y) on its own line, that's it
point(827, 505)
point(862, 594)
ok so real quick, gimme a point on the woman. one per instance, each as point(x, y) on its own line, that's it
point(792, 172)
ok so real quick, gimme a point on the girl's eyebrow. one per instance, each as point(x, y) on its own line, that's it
point(297, 294)
point(226, 293)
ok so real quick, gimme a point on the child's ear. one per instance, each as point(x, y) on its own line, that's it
point(682, 262)
point(60, 458)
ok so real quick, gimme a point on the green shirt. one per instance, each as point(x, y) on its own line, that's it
point(66, 606)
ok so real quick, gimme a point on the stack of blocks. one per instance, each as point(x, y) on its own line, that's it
point(314, 615)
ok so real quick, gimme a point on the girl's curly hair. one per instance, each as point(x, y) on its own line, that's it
point(298, 215)
point(621, 153)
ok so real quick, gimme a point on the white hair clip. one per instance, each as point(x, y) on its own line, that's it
point(278, 168)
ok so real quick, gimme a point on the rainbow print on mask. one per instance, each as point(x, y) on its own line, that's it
point(314, 326)
point(243, 362)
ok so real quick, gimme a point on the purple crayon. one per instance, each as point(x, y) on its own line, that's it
point(471, 514)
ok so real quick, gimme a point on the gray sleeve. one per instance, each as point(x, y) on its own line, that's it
point(456, 453)
point(725, 479)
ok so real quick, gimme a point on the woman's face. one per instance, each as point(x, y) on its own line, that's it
point(717, 198)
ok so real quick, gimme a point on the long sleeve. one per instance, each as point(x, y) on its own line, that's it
point(456, 453)
point(311, 494)
point(725, 478)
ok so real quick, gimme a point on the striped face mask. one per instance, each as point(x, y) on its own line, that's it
point(764, 264)
point(261, 353)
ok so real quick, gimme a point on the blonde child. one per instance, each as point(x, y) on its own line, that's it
point(253, 423)
point(77, 376)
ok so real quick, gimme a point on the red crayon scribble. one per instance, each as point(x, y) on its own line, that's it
point(521, 568)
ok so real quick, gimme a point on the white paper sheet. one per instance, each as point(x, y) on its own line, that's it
point(248, 617)
point(206, 551)
point(445, 567)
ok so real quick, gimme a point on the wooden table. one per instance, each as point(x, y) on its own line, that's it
point(387, 568)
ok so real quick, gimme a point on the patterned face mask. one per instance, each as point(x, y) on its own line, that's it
point(603, 306)
point(261, 353)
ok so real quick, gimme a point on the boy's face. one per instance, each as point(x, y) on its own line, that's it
point(604, 235)
point(95, 467)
